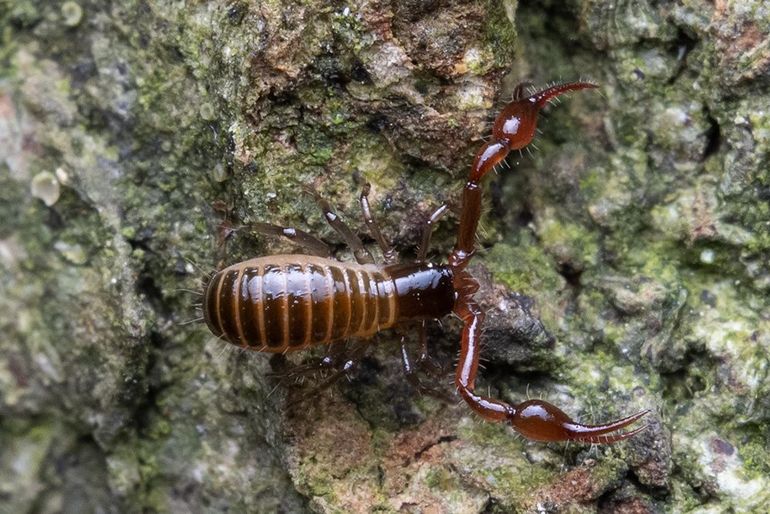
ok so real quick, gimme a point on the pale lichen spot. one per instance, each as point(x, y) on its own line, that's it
point(46, 187)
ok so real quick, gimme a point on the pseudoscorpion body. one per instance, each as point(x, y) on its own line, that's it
point(289, 302)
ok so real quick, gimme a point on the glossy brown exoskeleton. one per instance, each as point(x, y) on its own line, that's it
point(284, 303)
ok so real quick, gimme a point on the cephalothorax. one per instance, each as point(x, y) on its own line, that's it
point(284, 303)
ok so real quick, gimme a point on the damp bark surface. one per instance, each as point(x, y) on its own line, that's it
point(624, 263)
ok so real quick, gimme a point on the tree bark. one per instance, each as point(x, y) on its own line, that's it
point(625, 264)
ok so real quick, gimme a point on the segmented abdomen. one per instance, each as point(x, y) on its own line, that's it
point(288, 302)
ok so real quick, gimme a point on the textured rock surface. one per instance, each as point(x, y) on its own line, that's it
point(626, 263)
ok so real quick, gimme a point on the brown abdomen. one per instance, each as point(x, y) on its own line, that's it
point(288, 302)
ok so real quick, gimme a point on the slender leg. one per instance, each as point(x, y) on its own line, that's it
point(287, 371)
point(423, 343)
point(327, 382)
point(405, 360)
point(411, 375)
point(424, 361)
point(341, 362)
point(284, 370)
point(534, 419)
point(388, 254)
point(520, 89)
point(360, 252)
point(311, 243)
point(427, 231)
point(224, 232)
